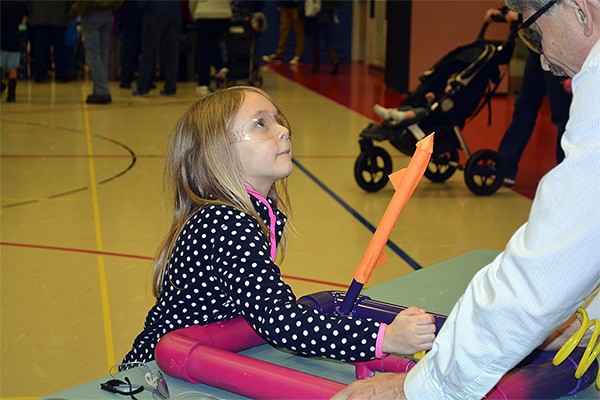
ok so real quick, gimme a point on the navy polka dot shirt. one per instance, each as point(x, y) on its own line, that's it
point(220, 268)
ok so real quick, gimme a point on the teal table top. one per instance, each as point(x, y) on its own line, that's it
point(435, 288)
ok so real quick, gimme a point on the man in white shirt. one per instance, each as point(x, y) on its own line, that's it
point(552, 263)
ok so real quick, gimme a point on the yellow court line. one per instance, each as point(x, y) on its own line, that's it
point(109, 342)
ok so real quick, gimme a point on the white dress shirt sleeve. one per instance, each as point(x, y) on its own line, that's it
point(549, 267)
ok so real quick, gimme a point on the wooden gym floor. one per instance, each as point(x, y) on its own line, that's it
point(82, 211)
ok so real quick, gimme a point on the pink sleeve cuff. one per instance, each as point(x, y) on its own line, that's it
point(379, 343)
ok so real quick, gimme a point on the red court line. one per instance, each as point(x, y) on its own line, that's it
point(72, 250)
point(86, 156)
point(111, 254)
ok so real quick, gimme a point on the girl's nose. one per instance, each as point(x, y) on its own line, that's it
point(284, 133)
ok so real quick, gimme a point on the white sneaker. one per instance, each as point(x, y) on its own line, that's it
point(383, 112)
point(509, 182)
point(222, 74)
point(295, 60)
point(202, 90)
point(389, 113)
point(271, 59)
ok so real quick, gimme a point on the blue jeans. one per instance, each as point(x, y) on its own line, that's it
point(96, 26)
point(536, 84)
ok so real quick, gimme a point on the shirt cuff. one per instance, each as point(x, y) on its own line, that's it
point(379, 343)
point(420, 385)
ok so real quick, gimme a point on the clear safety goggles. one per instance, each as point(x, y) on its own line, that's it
point(261, 128)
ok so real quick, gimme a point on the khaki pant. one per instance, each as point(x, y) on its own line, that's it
point(289, 17)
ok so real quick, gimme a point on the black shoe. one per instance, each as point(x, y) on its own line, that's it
point(334, 70)
point(139, 93)
point(164, 92)
point(125, 85)
point(98, 99)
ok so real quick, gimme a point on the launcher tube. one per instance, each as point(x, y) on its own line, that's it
point(207, 354)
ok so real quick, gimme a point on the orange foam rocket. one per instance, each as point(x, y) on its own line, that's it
point(404, 181)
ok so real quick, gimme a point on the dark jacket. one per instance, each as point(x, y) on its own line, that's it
point(80, 6)
point(11, 13)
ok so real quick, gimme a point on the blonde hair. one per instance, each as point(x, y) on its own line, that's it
point(202, 167)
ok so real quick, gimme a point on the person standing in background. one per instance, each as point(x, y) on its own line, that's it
point(47, 24)
point(11, 13)
point(162, 22)
point(321, 25)
point(212, 19)
point(129, 30)
point(290, 16)
point(96, 22)
point(536, 84)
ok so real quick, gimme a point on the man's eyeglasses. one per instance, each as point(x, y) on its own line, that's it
point(260, 128)
point(531, 37)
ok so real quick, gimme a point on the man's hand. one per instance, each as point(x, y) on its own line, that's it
point(560, 336)
point(381, 386)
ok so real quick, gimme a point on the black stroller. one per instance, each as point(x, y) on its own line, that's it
point(474, 72)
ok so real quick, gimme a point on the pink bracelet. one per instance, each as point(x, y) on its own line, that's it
point(379, 342)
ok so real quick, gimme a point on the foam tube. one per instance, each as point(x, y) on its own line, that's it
point(207, 354)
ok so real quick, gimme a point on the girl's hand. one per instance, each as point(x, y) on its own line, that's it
point(411, 331)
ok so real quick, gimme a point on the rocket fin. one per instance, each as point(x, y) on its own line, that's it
point(382, 259)
point(396, 178)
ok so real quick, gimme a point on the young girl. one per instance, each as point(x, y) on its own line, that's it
point(227, 164)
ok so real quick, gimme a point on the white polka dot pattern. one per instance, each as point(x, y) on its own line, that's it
point(220, 268)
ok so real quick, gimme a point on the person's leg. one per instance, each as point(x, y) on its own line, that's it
point(105, 27)
point(12, 84)
point(171, 35)
point(220, 27)
point(95, 32)
point(204, 47)
point(328, 38)
point(315, 31)
point(10, 60)
point(299, 32)
point(131, 43)
point(61, 54)
point(560, 102)
point(147, 56)
point(40, 52)
point(527, 105)
point(285, 27)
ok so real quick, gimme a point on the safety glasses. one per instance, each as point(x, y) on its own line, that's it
point(261, 128)
point(156, 383)
point(532, 37)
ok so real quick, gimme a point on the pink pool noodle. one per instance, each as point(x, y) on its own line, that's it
point(206, 354)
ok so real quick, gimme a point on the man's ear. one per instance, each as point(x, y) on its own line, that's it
point(585, 13)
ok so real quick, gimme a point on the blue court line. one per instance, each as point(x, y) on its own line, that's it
point(359, 217)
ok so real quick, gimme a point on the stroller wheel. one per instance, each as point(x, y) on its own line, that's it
point(482, 173)
point(442, 166)
point(372, 168)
